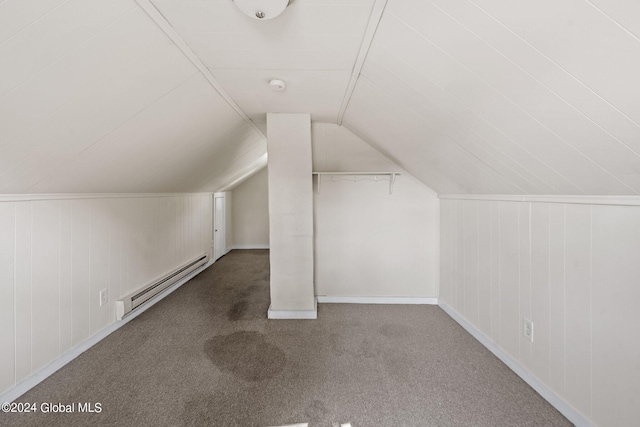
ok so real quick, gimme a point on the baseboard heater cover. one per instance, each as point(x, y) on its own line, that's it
point(135, 299)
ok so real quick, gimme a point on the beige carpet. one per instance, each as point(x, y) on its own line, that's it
point(207, 356)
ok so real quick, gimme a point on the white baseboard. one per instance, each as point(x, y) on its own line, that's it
point(376, 300)
point(37, 377)
point(549, 395)
point(294, 314)
point(251, 246)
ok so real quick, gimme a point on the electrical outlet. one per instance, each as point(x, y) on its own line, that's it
point(527, 329)
point(104, 297)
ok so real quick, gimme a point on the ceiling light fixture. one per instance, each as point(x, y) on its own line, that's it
point(262, 9)
point(277, 85)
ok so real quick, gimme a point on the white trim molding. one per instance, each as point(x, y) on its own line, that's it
point(328, 299)
point(580, 200)
point(252, 169)
point(549, 395)
point(294, 314)
point(372, 26)
point(42, 374)
point(71, 196)
point(251, 246)
point(150, 9)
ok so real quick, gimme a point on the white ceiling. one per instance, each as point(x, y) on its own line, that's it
point(313, 46)
point(505, 96)
point(94, 97)
point(471, 96)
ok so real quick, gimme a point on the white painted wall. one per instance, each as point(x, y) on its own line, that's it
point(368, 242)
point(57, 254)
point(250, 212)
point(570, 268)
point(290, 212)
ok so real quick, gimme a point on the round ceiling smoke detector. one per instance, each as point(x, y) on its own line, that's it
point(262, 9)
point(277, 85)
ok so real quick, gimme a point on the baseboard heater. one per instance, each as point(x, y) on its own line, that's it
point(134, 300)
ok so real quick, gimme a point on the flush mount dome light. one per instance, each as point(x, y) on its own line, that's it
point(277, 85)
point(262, 9)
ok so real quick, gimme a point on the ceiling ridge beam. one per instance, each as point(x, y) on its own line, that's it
point(367, 39)
point(162, 22)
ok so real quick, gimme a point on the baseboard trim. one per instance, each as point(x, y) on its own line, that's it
point(251, 247)
point(376, 300)
point(549, 395)
point(43, 373)
point(294, 314)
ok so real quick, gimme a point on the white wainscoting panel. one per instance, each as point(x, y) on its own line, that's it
point(56, 255)
point(573, 270)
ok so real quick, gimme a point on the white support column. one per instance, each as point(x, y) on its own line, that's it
point(290, 216)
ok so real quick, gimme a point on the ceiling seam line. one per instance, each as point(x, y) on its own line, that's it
point(615, 21)
point(622, 113)
point(124, 15)
point(149, 174)
point(359, 35)
point(492, 171)
point(367, 40)
point(450, 163)
point(48, 116)
point(280, 69)
point(388, 156)
point(224, 159)
point(361, 134)
point(118, 126)
point(227, 158)
point(480, 137)
point(245, 175)
point(518, 107)
point(540, 82)
point(159, 19)
point(494, 127)
point(32, 22)
point(445, 162)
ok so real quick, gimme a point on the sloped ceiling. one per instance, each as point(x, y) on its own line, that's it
point(506, 96)
point(470, 96)
point(94, 97)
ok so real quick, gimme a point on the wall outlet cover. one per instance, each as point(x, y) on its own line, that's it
point(104, 297)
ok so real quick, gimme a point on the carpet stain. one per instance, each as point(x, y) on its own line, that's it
point(246, 355)
point(316, 411)
point(238, 310)
point(251, 290)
